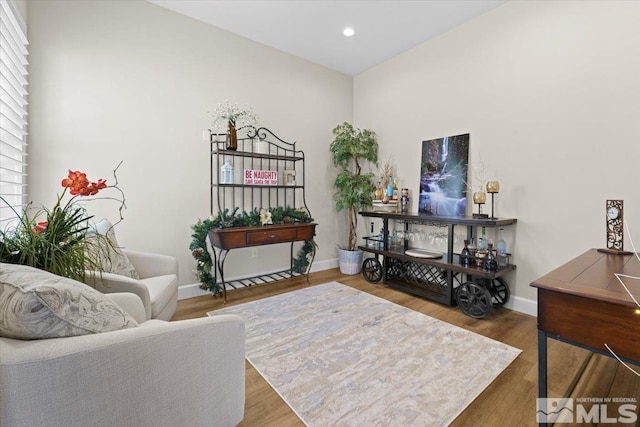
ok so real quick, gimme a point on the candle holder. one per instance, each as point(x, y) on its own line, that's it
point(493, 188)
point(479, 198)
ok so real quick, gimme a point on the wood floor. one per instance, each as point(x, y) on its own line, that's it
point(509, 401)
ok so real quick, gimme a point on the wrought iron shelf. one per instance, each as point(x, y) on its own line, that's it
point(275, 155)
point(262, 279)
point(293, 187)
point(235, 153)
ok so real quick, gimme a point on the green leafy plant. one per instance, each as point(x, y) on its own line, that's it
point(226, 219)
point(350, 148)
point(58, 239)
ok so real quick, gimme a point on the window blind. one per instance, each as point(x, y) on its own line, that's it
point(13, 111)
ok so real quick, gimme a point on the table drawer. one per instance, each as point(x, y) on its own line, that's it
point(590, 322)
point(271, 236)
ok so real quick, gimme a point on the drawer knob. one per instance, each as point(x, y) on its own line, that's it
point(273, 236)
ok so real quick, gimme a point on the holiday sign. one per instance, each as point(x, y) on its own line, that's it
point(260, 177)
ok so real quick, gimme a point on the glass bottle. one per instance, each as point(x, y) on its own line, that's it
point(501, 247)
point(482, 240)
point(404, 201)
point(390, 188)
point(490, 262)
point(378, 192)
point(472, 248)
point(226, 173)
point(465, 255)
point(395, 190)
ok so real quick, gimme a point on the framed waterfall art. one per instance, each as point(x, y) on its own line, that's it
point(443, 176)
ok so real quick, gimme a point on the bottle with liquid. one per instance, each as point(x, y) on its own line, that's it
point(490, 261)
point(371, 241)
point(501, 247)
point(482, 240)
point(404, 201)
point(395, 190)
point(226, 173)
point(465, 255)
point(390, 188)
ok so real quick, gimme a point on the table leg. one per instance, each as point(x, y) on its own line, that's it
point(542, 364)
point(542, 367)
point(221, 258)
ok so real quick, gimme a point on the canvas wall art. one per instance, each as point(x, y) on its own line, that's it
point(443, 176)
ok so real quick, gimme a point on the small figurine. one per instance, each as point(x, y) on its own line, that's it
point(265, 217)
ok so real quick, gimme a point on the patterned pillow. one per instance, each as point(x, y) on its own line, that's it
point(36, 304)
point(109, 255)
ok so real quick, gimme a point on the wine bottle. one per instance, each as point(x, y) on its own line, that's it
point(490, 262)
point(501, 247)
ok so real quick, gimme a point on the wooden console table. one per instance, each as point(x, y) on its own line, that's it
point(225, 239)
point(582, 303)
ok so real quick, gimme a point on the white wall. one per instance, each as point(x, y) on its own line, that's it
point(131, 81)
point(549, 92)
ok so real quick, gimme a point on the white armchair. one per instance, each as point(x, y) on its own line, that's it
point(157, 286)
point(189, 373)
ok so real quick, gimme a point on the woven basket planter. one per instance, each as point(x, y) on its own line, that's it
point(350, 262)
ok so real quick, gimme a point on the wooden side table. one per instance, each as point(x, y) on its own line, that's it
point(582, 303)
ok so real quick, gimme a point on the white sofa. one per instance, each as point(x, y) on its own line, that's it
point(185, 373)
point(157, 286)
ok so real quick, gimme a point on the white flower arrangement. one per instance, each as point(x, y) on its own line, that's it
point(231, 113)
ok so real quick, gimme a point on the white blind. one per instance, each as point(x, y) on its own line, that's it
point(13, 111)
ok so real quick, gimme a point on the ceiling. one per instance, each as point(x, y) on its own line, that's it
point(313, 29)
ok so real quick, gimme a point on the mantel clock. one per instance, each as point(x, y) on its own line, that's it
point(615, 228)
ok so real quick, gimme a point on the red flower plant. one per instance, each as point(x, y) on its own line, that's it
point(56, 240)
point(40, 227)
point(78, 184)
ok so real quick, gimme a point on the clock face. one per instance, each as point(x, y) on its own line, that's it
point(613, 213)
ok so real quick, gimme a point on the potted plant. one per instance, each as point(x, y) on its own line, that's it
point(350, 149)
point(61, 240)
point(230, 118)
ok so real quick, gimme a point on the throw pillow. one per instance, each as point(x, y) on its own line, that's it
point(36, 304)
point(108, 253)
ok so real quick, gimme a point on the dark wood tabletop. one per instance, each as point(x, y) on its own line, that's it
point(591, 275)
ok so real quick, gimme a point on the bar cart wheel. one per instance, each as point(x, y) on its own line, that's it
point(372, 270)
point(475, 300)
point(499, 291)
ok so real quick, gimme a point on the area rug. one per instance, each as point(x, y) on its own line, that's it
point(341, 357)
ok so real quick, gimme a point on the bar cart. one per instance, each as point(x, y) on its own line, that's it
point(436, 276)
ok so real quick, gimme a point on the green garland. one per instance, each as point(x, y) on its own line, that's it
point(224, 219)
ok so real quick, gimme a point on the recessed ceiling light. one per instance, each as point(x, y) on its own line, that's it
point(348, 31)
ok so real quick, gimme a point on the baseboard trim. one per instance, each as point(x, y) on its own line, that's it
point(523, 305)
point(193, 290)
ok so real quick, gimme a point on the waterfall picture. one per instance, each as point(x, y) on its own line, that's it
point(443, 176)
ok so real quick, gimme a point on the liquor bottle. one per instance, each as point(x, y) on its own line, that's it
point(226, 173)
point(404, 201)
point(465, 255)
point(490, 262)
point(390, 188)
point(501, 247)
point(395, 190)
point(378, 194)
point(482, 240)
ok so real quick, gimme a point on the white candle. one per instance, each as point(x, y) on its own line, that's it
point(205, 135)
